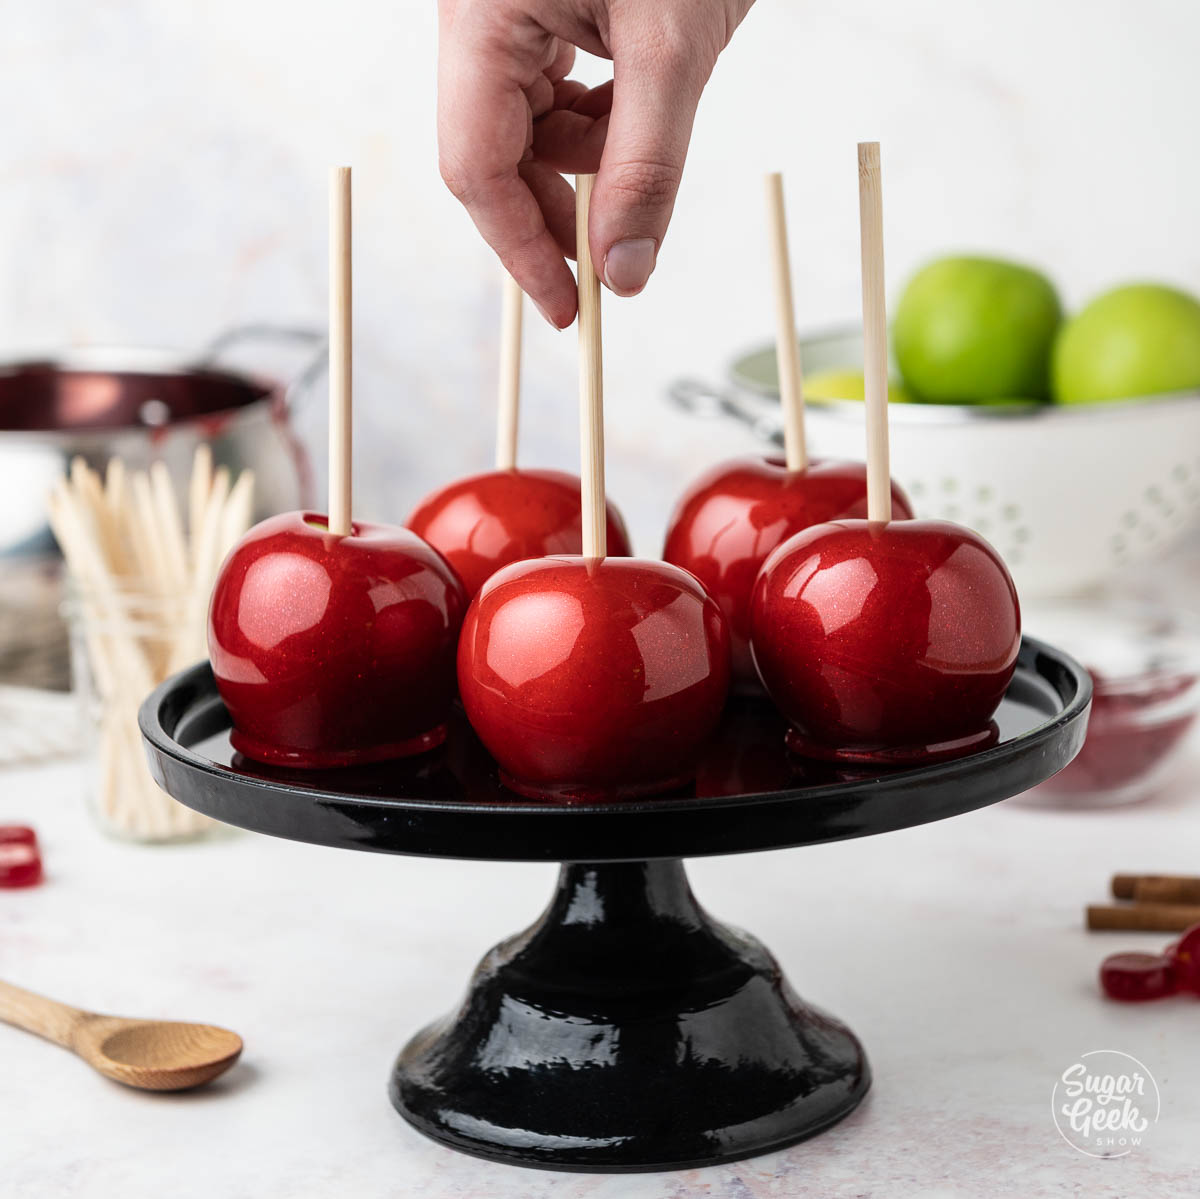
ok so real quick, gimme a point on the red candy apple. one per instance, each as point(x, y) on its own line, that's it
point(886, 641)
point(333, 650)
point(484, 522)
point(593, 679)
point(731, 518)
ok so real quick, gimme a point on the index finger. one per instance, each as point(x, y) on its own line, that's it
point(484, 129)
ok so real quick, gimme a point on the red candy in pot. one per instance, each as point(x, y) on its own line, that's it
point(484, 522)
point(886, 641)
point(333, 650)
point(729, 521)
point(593, 680)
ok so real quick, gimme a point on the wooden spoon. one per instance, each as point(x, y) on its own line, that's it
point(152, 1055)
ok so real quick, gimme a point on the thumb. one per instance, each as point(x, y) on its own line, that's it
point(655, 92)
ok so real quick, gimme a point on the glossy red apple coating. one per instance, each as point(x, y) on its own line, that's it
point(484, 522)
point(731, 518)
point(593, 681)
point(886, 642)
point(330, 651)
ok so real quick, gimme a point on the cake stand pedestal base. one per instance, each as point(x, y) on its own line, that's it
point(628, 1030)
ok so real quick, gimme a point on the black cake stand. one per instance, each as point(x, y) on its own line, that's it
point(626, 1029)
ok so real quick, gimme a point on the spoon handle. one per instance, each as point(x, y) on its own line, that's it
point(37, 1014)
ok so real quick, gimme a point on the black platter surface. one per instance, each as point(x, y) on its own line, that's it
point(750, 793)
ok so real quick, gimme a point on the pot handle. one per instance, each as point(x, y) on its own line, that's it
point(300, 384)
point(702, 399)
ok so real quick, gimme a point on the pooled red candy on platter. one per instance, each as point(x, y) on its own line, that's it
point(331, 651)
point(731, 518)
point(1137, 977)
point(20, 858)
point(593, 679)
point(484, 522)
point(887, 642)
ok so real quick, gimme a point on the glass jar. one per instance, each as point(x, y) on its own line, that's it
point(124, 642)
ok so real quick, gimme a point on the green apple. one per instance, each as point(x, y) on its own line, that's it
point(972, 330)
point(844, 383)
point(1139, 340)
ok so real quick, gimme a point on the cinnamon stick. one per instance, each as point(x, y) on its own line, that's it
point(1156, 888)
point(1149, 917)
point(1167, 889)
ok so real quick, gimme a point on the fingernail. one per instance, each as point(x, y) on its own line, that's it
point(548, 318)
point(628, 264)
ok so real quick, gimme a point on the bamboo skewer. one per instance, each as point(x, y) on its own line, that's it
point(508, 399)
point(870, 208)
point(787, 352)
point(142, 585)
point(591, 381)
point(340, 351)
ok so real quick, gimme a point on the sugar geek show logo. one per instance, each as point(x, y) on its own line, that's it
point(1105, 1103)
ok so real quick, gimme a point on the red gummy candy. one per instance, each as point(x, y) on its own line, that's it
point(20, 861)
point(1135, 977)
point(1185, 954)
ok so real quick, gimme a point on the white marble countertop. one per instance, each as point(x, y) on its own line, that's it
point(954, 950)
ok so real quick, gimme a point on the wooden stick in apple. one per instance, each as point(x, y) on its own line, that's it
point(508, 400)
point(591, 380)
point(787, 353)
point(875, 367)
point(340, 347)
point(886, 642)
point(486, 521)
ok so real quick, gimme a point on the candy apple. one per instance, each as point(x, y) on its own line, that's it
point(332, 651)
point(593, 680)
point(486, 521)
point(731, 518)
point(886, 641)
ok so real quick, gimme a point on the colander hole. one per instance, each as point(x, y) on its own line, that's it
point(1021, 533)
point(1011, 512)
point(949, 484)
point(1181, 472)
point(1154, 495)
point(1130, 519)
point(917, 488)
point(983, 494)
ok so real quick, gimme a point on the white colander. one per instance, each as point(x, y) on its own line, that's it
point(1069, 495)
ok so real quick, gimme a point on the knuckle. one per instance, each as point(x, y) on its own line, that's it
point(457, 180)
point(645, 184)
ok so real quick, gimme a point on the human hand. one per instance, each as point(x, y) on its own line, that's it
point(509, 120)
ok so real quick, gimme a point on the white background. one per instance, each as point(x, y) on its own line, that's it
point(163, 177)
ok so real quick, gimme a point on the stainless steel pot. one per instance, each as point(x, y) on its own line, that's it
point(140, 405)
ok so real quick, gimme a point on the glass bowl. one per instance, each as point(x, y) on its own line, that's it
point(1144, 658)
